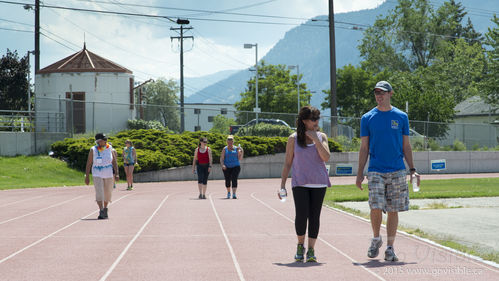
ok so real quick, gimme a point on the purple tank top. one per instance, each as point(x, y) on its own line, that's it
point(308, 167)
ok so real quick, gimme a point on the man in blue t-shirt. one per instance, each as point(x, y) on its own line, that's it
point(384, 133)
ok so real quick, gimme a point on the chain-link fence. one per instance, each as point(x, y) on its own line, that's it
point(77, 116)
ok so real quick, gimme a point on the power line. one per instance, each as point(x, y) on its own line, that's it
point(62, 44)
point(17, 30)
point(17, 22)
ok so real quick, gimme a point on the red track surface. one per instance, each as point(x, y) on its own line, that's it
point(161, 231)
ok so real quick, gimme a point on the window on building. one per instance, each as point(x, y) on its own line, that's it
point(197, 128)
point(210, 118)
point(197, 111)
point(223, 111)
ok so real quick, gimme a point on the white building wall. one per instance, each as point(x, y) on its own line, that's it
point(107, 98)
point(206, 113)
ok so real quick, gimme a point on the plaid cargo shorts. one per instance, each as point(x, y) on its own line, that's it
point(388, 191)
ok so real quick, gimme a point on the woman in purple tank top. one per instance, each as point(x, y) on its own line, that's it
point(307, 151)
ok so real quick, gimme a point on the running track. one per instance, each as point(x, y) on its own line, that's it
point(161, 231)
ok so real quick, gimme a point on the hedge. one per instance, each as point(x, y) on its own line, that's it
point(158, 149)
point(263, 129)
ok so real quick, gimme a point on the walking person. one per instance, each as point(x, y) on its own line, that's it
point(231, 166)
point(201, 164)
point(384, 133)
point(307, 150)
point(129, 161)
point(102, 162)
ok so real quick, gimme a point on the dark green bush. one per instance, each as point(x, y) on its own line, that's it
point(158, 149)
point(265, 130)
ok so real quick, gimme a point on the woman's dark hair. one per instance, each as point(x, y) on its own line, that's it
point(306, 112)
point(201, 139)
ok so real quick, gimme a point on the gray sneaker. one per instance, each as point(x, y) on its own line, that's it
point(374, 248)
point(390, 255)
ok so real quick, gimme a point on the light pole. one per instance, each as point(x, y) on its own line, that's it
point(297, 82)
point(256, 109)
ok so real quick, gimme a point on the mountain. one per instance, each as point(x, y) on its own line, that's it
point(195, 84)
point(308, 46)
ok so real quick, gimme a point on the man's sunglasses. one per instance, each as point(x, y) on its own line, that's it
point(313, 119)
point(379, 92)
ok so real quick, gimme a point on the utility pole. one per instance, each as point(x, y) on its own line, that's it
point(181, 39)
point(332, 70)
point(37, 36)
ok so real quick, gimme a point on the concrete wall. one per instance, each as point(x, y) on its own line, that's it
point(17, 143)
point(270, 166)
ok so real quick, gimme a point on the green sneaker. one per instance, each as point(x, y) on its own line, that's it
point(311, 255)
point(390, 255)
point(300, 250)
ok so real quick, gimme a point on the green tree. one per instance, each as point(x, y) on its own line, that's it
point(491, 81)
point(13, 82)
point(412, 34)
point(354, 87)
point(221, 124)
point(277, 92)
point(162, 103)
point(462, 66)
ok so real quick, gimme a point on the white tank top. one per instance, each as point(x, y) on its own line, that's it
point(102, 165)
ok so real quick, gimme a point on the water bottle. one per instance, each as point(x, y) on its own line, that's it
point(283, 194)
point(414, 183)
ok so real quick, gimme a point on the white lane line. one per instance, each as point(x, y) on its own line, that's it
point(325, 242)
point(24, 200)
point(234, 259)
point(120, 257)
point(53, 233)
point(427, 242)
point(40, 210)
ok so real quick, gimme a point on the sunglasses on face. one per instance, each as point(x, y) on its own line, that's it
point(313, 119)
point(205, 141)
point(379, 92)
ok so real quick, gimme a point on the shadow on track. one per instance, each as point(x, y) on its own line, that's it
point(299, 264)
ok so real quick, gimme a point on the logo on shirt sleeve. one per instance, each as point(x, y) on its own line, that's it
point(395, 124)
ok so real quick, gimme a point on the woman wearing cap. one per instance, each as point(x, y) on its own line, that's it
point(102, 161)
point(203, 161)
point(307, 151)
point(129, 161)
point(231, 166)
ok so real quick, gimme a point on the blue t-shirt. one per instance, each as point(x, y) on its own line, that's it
point(385, 130)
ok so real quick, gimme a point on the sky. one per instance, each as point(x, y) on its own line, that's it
point(143, 44)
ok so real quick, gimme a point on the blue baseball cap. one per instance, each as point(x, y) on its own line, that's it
point(383, 85)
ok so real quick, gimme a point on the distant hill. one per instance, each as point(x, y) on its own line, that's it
point(195, 84)
point(308, 46)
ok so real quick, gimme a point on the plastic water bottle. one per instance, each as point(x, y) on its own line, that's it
point(414, 183)
point(283, 194)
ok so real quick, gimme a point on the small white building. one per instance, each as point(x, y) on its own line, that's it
point(199, 116)
point(82, 93)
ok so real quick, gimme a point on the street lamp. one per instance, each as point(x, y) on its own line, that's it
point(297, 82)
point(249, 46)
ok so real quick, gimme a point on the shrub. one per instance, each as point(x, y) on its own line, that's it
point(265, 130)
point(458, 146)
point(158, 149)
point(348, 144)
point(142, 124)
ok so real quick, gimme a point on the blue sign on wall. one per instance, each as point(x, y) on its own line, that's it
point(344, 169)
point(438, 164)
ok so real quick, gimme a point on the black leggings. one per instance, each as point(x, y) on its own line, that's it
point(203, 173)
point(308, 205)
point(231, 175)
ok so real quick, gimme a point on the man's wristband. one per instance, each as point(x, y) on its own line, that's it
point(412, 169)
